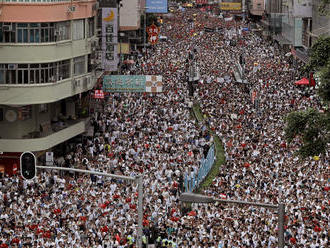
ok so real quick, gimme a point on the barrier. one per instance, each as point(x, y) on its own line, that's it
point(192, 181)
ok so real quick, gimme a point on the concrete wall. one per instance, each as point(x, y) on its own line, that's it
point(40, 144)
point(43, 53)
point(45, 93)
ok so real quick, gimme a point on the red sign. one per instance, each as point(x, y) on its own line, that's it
point(14, 168)
point(201, 1)
point(153, 32)
point(153, 39)
point(153, 29)
point(98, 94)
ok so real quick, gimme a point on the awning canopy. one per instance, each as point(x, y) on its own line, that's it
point(303, 81)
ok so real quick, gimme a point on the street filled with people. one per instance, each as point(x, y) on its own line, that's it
point(155, 134)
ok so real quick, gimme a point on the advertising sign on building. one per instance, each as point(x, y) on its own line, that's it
point(230, 6)
point(153, 34)
point(132, 83)
point(109, 39)
point(156, 6)
point(49, 158)
point(98, 94)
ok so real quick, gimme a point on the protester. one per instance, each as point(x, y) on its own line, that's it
point(155, 135)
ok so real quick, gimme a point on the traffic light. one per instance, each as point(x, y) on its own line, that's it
point(28, 165)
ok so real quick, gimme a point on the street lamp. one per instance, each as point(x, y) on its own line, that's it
point(144, 28)
point(198, 198)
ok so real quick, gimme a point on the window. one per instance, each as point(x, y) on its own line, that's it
point(34, 32)
point(78, 30)
point(89, 66)
point(1, 114)
point(2, 74)
point(34, 73)
point(62, 31)
point(8, 32)
point(79, 65)
point(63, 69)
point(27, 32)
point(91, 27)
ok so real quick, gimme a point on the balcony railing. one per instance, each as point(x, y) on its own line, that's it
point(38, 141)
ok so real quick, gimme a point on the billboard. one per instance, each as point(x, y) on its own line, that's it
point(230, 6)
point(129, 15)
point(133, 83)
point(156, 6)
point(110, 58)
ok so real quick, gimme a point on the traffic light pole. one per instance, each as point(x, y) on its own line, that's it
point(138, 179)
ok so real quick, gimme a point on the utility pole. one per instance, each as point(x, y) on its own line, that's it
point(244, 9)
point(144, 28)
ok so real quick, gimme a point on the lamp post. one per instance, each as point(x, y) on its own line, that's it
point(144, 28)
point(138, 179)
point(197, 198)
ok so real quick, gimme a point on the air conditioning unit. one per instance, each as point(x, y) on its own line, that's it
point(71, 8)
point(7, 28)
point(12, 66)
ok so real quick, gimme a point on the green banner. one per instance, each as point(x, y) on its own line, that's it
point(124, 83)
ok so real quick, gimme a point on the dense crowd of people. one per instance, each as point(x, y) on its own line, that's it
point(155, 135)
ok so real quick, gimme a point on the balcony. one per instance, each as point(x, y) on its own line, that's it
point(25, 94)
point(53, 135)
point(44, 52)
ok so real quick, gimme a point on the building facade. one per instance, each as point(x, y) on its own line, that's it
point(46, 72)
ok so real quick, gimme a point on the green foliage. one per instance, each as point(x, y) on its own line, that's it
point(312, 128)
point(219, 161)
point(320, 54)
point(219, 151)
point(324, 89)
point(324, 7)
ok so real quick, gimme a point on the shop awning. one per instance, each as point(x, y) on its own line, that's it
point(303, 81)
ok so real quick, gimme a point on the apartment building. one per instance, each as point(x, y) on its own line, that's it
point(46, 73)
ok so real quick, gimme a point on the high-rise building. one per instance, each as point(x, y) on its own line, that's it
point(46, 72)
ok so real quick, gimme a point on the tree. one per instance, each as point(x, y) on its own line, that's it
point(311, 126)
point(313, 130)
point(324, 8)
point(324, 89)
point(319, 54)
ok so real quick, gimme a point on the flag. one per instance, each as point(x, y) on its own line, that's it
point(311, 80)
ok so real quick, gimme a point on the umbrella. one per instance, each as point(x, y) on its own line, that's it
point(303, 81)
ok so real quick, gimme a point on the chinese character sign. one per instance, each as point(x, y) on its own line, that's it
point(153, 32)
point(133, 83)
point(98, 94)
point(109, 39)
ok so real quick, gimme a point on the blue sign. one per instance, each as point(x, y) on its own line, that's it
point(156, 6)
point(124, 83)
point(192, 181)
